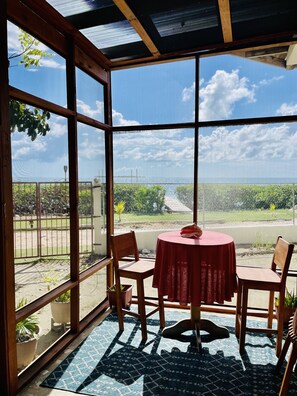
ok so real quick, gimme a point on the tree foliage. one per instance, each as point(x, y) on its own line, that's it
point(22, 117)
point(140, 199)
point(31, 54)
point(226, 197)
point(150, 199)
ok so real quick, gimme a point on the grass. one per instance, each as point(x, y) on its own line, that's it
point(249, 215)
point(235, 216)
point(219, 216)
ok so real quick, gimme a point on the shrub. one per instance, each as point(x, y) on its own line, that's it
point(126, 193)
point(150, 199)
point(225, 197)
point(140, 199)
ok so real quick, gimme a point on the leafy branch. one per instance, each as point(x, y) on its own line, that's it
point(31, 54)
point(22, 117)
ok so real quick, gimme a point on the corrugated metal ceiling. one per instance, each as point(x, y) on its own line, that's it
point(132, 31)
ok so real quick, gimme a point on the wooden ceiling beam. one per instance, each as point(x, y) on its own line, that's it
point(131, 17)
point(225, 15)
point(291, 60)
point(214, 50)
point(274, 51)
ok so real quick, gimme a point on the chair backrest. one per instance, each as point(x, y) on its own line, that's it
point(293, 326)
point(124, 246)
point(282, 257)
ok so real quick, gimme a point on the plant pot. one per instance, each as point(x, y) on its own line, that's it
point(26, 351)
point(60, 312)
point(288, 312)
point(126, 297)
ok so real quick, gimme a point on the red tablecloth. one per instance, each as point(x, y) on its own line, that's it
point(195, 270)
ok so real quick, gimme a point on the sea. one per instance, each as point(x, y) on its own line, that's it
point(204, 180)
point(171, 180)
point(171, 183)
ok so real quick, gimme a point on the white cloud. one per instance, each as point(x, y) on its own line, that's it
point(249, 143)
point(90, 149)
point(188, 93)
point(51, 63)
point(57, 129)
point(13, 41)
point(237, 146)
point(23, 147)
point(170, 147)
point(119, 120)
point(287, 109)
point(221, 93)
point(86, 109)
point(270, 81)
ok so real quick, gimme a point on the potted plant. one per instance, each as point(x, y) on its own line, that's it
point(289, 308)
point(27, 331)
point(126, 296)
point(60, 306)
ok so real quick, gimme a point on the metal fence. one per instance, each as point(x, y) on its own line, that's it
point(42, 222)
point(240, 204)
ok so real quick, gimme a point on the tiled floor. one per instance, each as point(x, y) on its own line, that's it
point(34, 389)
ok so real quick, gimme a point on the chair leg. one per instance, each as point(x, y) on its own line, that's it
point(280, 329)
point(287, 376)
point(161, 311)
point(279, 339)
point(243, 319)
point(119, 308)
point(283, 354)
point(270, 310)
point(141, 308)
point(238, 310)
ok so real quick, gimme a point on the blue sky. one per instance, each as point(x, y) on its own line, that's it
point(230, 87)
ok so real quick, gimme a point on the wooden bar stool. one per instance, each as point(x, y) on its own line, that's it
point(268, 279)
point(124, 248)
point(291, 338)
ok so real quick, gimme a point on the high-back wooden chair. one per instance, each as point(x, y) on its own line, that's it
point(291, 339)
point(124, 249)
point(272, 279)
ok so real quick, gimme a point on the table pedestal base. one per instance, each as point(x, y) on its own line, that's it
point(197, 324)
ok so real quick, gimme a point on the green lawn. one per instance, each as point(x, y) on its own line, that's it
point(248, 215)
point(236, 216)
point(225, 217)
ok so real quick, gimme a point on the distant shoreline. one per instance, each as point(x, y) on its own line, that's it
point(175, 180)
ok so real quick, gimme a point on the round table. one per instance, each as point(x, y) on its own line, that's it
point(195, 271)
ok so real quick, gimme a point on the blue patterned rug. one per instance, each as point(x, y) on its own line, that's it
point(110, 363)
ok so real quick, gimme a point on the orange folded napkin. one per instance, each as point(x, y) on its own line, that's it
point(191, 231)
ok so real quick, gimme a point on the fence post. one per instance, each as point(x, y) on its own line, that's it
point(38, 218)
point(294, 207)
point(203, 207)
point(99, 241)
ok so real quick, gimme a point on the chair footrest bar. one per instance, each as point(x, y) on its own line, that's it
point(151, 312)
point(136, 314)
point(132, 313)
point(261, 330)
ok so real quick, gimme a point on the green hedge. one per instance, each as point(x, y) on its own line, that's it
point(139, 198)
point(218, 197)
point(54, 198)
